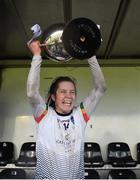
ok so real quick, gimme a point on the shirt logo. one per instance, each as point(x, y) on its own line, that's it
point(66, 125)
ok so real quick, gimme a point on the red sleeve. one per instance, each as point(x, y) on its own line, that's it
point(41, 117)
point(85, 115)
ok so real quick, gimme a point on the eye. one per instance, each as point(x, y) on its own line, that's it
point(72, 92)
point(63, 91)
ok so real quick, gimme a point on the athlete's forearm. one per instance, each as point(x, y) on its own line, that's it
point(33, 84)
point(98, 77)
point(99, 88)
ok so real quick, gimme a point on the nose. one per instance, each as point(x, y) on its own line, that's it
point(69, 94)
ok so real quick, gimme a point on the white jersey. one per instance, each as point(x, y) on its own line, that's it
point(60, 139)
point(60, 145)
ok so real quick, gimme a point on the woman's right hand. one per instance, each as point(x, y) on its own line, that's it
point(35, 48)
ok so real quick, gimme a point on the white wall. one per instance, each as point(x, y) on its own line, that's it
point(117, 117)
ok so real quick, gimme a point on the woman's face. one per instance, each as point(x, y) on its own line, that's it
point(65, 97)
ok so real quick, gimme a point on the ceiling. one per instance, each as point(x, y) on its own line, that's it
point(119, 21)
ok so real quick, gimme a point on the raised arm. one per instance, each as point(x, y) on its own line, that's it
point(97, 92)
point(33, 81)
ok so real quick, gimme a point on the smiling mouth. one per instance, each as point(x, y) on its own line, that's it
point(67, 102)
